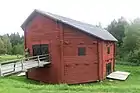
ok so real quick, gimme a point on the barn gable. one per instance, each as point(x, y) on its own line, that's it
point(87, 28)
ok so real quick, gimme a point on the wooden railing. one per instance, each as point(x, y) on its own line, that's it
point(23, 64)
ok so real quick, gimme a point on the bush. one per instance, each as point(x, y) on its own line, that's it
point(134, 57)
point(18, 49)
point(2, 51)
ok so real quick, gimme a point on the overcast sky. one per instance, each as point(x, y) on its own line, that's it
point(14, 12)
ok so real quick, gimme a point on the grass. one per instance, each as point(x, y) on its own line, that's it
point(9, 57)
point(15, 84)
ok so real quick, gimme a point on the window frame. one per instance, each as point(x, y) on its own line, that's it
point(108, 50)
point(81, 51)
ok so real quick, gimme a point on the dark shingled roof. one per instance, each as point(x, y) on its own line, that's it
point(88, 28)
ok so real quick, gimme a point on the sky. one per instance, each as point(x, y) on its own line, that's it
point(14, 12)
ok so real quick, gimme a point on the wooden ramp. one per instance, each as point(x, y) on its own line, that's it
point(16, 66)
point(118, 75)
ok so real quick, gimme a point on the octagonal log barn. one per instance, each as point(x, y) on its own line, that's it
point(79, 52)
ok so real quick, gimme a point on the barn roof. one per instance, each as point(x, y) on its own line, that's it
point(88, 28)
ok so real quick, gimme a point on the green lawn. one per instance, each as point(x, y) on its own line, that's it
point(15, 84)
point(9, 57)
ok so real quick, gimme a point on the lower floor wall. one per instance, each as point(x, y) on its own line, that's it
point(73, 73)
point(80, 73)
point(45, 75)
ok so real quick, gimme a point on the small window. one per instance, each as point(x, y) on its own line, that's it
point(81, 51)
point(108, 50)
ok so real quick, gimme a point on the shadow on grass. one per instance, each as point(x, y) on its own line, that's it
point(25, 80)
point(22, 79)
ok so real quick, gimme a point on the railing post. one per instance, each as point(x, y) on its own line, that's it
point(0, 71)
point(38, 60)
point(15, 66)
point(22, 65)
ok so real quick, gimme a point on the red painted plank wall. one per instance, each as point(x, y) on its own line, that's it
point(66, 66)
point(108, 58)
point(43, 30)
point(79, 69)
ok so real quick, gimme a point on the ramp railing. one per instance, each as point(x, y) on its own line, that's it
point(19, 65)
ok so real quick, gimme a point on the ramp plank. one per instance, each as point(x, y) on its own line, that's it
point(119, 75)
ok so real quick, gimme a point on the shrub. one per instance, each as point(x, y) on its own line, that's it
point(134, 57)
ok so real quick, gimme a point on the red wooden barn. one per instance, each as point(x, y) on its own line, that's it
point(79, 52)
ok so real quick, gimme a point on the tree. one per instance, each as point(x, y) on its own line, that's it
point(18, 49)
point(2, 49)
point(117, 29)
point(15, 38)
point(131, 42)
point(11, 44)
point(7, 43)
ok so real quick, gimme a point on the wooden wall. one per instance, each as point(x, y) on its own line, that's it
point(79, 69)
point(66, 66)
point(43, 30)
